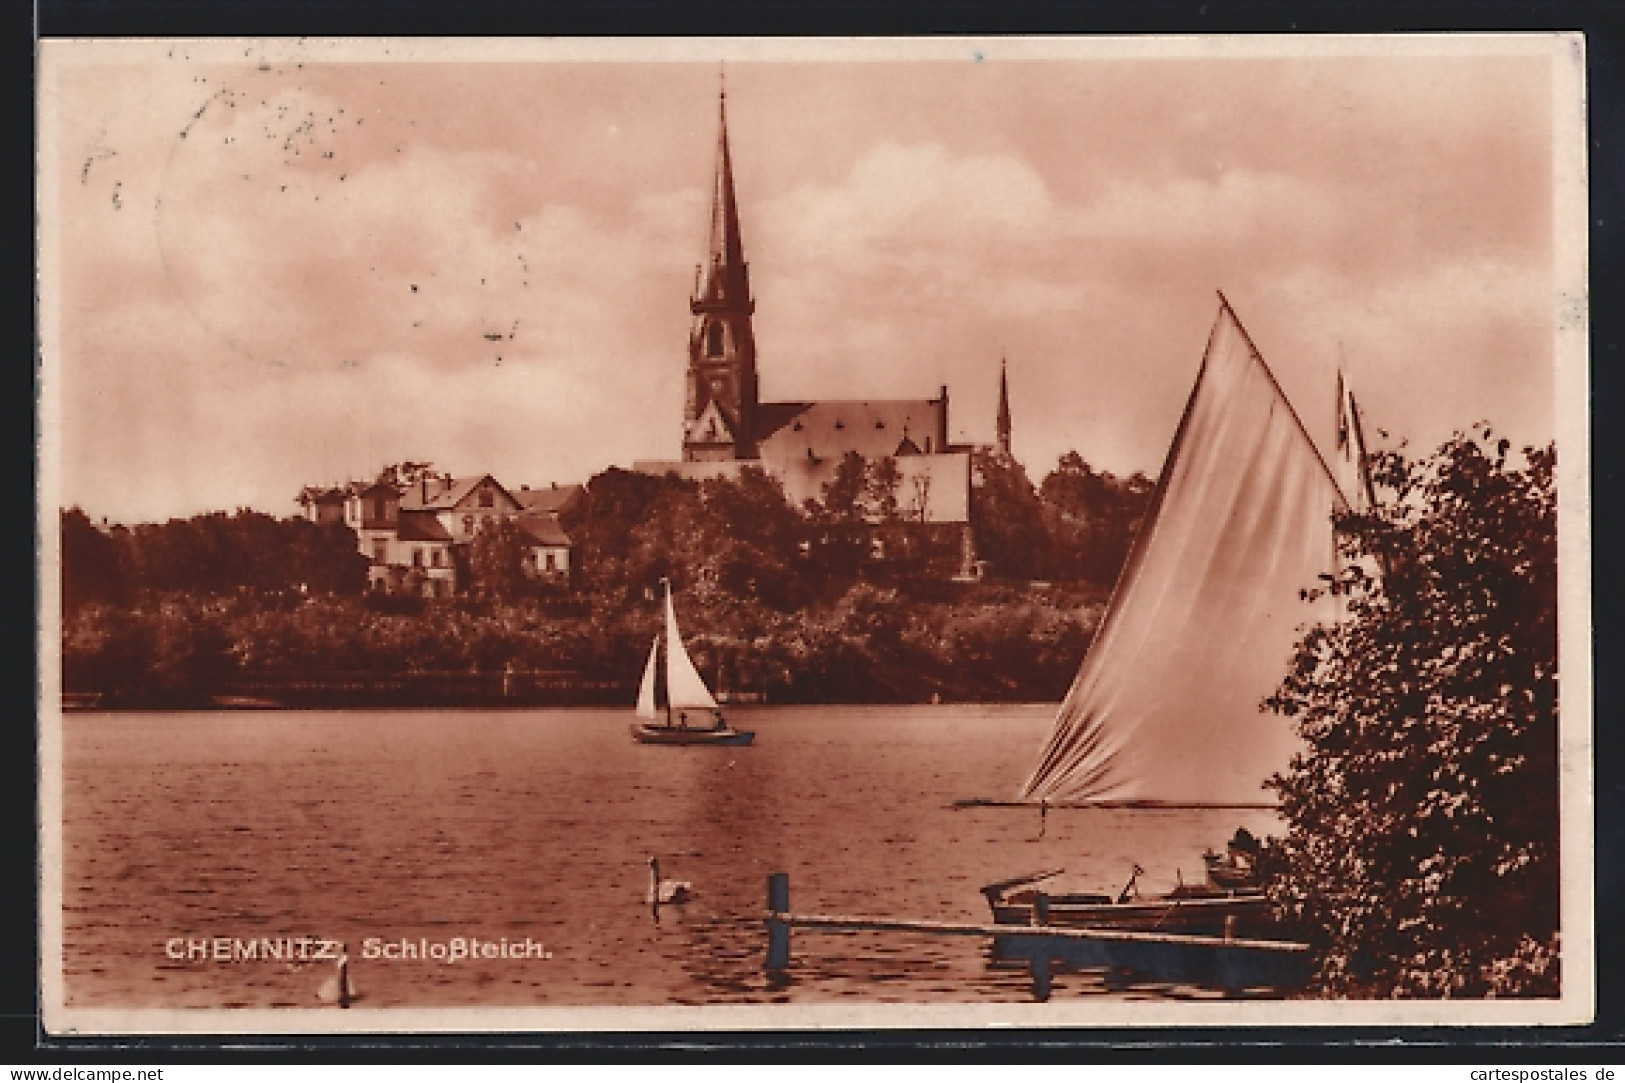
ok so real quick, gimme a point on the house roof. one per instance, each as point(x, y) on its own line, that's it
point(420, 526)
point(542, 530)
point(443, 494)
point(548, 501)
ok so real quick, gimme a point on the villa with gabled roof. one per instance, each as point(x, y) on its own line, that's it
point(416, 536)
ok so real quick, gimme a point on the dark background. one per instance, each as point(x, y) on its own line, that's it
point(21, 1041)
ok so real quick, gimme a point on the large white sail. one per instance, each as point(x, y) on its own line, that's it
point(646, 691)
point(1167, 707)
point(684, 687)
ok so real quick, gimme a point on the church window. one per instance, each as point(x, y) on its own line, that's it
point(880, 423)
point(798, 426)
point(713, 340)
point(928, 445)
point(839, 424)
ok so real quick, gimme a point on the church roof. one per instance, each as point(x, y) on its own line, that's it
point(770, 417)
point(874, 428)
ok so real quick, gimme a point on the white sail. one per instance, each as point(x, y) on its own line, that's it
point(684, 687)
point(1167, 707)
point(646, 691)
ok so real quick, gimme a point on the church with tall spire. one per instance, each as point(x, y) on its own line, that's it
point(719, 411)
point(726, 425)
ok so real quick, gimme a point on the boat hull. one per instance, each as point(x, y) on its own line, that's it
point(655, 734)
point(1241, 915)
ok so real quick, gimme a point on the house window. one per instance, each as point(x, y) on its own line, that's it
point(552, 562)
point(713, 340)
point(380, 551)
point(434, 557)
point(468, 524)
point(488, 499)
point(417, 557)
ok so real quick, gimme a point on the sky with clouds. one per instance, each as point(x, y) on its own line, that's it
point(277, 265)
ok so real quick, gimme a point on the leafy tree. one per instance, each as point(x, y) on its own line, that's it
point(404, 475)
point(603, 528)
point(880, 482)
point(844, 492)
point(840, 534)
point(752, 538)
point(1007, 518)
point(1422, 851)
point(90, 562)
point(1091, 518)
point(496, 561)
point(323, 558)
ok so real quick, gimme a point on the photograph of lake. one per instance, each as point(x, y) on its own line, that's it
point(430, 825)
point(747, 534)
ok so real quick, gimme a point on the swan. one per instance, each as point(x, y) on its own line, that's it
point(665, 892)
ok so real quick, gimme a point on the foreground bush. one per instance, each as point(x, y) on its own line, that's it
point(1422, 855)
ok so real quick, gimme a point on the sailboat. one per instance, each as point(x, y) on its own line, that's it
point(691, 715)
point(1167, 708)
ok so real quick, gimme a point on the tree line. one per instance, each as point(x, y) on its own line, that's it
point(849, 597)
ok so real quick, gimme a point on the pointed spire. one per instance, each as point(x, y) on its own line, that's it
point(723, 277)
point(1003, 424)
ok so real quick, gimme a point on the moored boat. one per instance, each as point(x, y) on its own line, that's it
point(1189, 910)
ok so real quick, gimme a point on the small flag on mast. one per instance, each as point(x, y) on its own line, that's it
point(1352, 475)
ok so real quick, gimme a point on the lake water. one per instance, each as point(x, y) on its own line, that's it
point(425, 826)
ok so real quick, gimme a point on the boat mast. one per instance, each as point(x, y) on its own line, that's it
point(666, 645)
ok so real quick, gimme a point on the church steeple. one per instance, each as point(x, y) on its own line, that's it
point(1003, 424)
point(719, 414)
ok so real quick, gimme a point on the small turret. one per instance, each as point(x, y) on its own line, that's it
point(1003, 423)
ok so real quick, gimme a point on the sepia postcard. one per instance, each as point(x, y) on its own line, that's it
point(745, 534)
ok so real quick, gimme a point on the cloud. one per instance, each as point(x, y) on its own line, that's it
point(242, 318)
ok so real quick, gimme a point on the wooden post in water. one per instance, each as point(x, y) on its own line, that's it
point(778, 930)
point(1038, 965)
